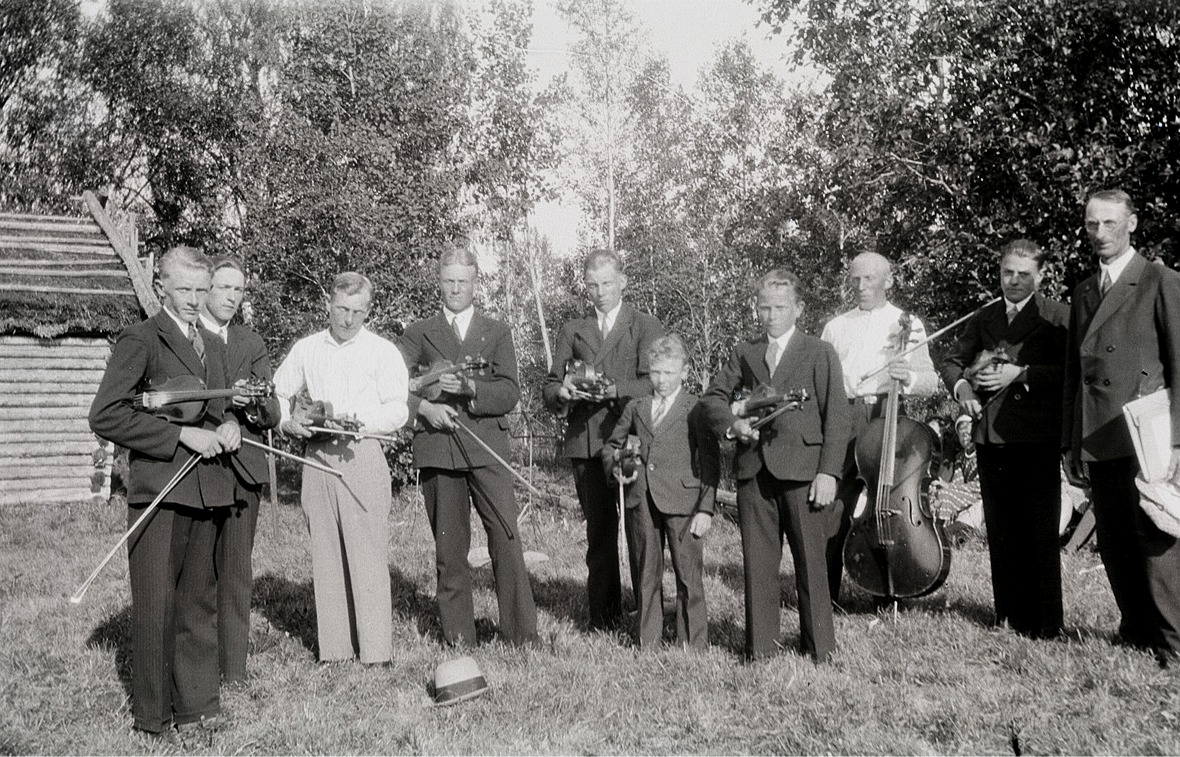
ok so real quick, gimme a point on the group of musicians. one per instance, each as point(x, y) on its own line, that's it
point(1039, 379)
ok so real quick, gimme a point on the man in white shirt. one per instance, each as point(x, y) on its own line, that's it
point(865, 339)
point(361, 375)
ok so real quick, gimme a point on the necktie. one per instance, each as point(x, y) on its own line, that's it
point(194, 338)
point(1106, 282)
point(605, 329)
point(455, 328)
point(658, 410)
point(1012, 312)
point(772, 356)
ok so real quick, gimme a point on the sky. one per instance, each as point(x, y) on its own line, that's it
point(686, 32)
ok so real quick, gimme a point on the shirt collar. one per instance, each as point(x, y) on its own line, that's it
point(1116, 268)
point(463, 316)
point(331, 340)
point(180, 323)
point(1018, 305)
point(782, 340)
point(671, 398)
point(215, 327)
point(610, 317)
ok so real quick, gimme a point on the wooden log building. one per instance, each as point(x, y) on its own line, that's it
point(68, 286)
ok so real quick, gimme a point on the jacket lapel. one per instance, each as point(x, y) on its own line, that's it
point(622, 324)
point(441, 337)
point(178, 342)
point(788, 361)
point(1025, 321)
point(1122, 291)
point(672, 414)
point(477, 336)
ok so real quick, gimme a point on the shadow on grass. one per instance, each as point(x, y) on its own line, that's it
point(289, 607)
point(115, 635)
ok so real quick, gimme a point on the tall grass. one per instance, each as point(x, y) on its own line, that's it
point(934, 678)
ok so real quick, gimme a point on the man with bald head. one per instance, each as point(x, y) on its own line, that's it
point(1124, 343)
point(866, 338)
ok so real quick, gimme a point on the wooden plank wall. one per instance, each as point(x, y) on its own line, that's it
point(47, 451)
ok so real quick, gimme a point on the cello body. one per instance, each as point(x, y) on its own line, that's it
point(896, 548)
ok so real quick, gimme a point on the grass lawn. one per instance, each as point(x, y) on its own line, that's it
point(932, 679)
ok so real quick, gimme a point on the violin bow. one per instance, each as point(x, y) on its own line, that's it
point(296, 458)
point(353, 434)
point(500, 460)
point(920, 344)
point(774, 414)
point(188, 466)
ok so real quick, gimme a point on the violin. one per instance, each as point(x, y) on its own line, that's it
point(308, 412)
point(897, 548)
point(627, 459)
point(182, 398)
point(987, 359)
point(588, 382)
point(426, 384)
point(764, 404)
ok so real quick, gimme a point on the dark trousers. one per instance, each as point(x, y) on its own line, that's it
point(235, 582)
point(450, 495)
point(648, 530)
point(598, 497)
point(1021, 488)
point(174, 666)
point(1142, 563)
point(768, 508)
point(839, 513)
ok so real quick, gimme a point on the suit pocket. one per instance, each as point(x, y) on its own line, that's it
point(690, 483)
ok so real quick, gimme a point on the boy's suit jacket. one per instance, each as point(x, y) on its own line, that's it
point(147, 354)
point(431, 340)
point(1121, 346)
point(246, 357)
point(680, 457)
point(797, 444)
point(1028, 410)
point(622, 358)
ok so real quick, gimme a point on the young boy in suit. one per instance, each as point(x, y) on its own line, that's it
point(786, 470)
point(670, 493)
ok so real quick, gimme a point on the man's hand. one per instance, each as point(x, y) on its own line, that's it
point(1075, 469)
point(996, 377)
point(566, 392)
point(822, 491)
point(899, 370)
point(701, 523)
point(458, 385)
point(968, 400)
point(743, 431)
point(204, 442)
point(292, 427)
point(230, 434)
point(438, 415)
point(738, 408)
point(617, 472)
point(241, 400)
point(1174, 467)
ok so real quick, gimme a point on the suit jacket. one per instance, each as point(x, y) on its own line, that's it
point(147, 354)
point(246, 357)
point(681, 457)
point(1121, 346)
point(497, 390)
point(1028, 410)
point(622, 358)
point(797, 444)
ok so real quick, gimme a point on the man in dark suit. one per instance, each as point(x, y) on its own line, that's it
point(455, 468)
point(1015, 399)
point(613, 341)
point(247, 360)
point(1124, 343)
point(786, 471)
point(670, 494)
point(174, 664)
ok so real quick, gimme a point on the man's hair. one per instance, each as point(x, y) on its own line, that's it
point(227, 261)
point(456, 253)
point(1114, 195)
point(1024, 248)
point(598, 258)
point(777, 277)
point(182, 256)
point(350, 283)
point(669, 346)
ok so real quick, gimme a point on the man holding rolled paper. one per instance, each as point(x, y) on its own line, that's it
point(180, 490)
point(360, 376)
point(1124, 343)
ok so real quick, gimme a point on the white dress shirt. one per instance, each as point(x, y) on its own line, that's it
point(780, 347)
point(216, 328)
point(668, 402)
point(865, 340)
point(461, 320)
point(1116, 268)
point(365, 377)
point(608, 318)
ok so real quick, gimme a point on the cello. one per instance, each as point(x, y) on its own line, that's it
point(896, 548)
